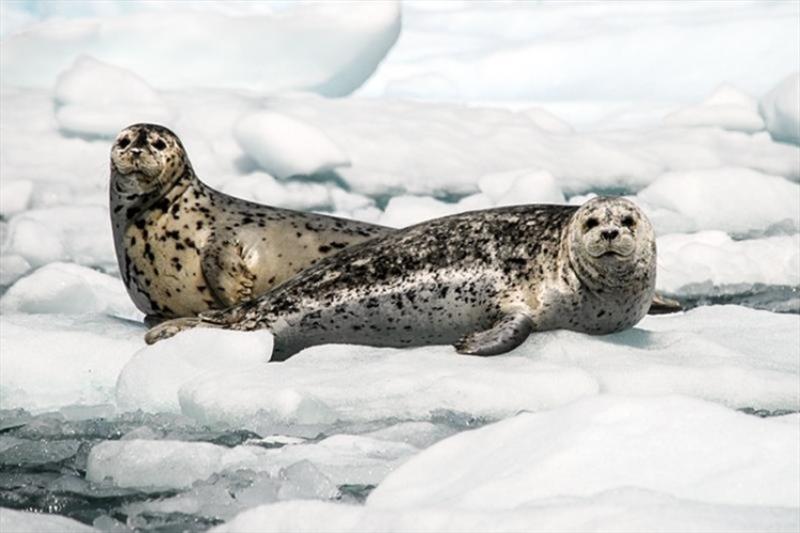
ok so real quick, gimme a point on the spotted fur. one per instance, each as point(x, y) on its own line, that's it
point(482, 281)
point(184, 248)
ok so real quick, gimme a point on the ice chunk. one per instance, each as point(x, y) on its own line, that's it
point(712, 256)
point(285, 146)
point(13, 521)
point(34, 453)
point(726, 108)
point(625, 509)
point(743, 200)
point(708, 353)
point(81, 234)
point(160, 464)
point(314, 47)
point(151, 379)
point(15, 195)
point(304, 481)
point(521, 187)
point(343, 459)
point(51, 361)
point(66, 288)
point(97, 98)
point(421, 380)
point(12, 267)
point(683, 447)
point(781, 110)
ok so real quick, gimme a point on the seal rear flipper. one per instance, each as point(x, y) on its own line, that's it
point(230, 280)
point(171, 328)
point(506, 334)
point(662, 305)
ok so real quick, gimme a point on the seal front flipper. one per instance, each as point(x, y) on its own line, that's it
point(506, 334)
point(662, 305)
point(224, 268)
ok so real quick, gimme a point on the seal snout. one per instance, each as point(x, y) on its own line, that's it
point(609, 234)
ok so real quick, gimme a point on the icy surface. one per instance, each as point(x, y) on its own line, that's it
point(17, 521)
point(183, 358)
point(616, 510)
point(781, 110)
point(52, 360)
point(603, 443)
point(103, 109)
point(285, 146)
point(726, 108)
point(312, 47)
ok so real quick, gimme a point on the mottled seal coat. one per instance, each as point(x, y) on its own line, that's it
point(184, 248)
point(482, 281)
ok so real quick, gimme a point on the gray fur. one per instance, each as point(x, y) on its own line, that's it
point(184, 248)
point(481, 280)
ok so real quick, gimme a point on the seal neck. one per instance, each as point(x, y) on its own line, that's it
point(128, 206)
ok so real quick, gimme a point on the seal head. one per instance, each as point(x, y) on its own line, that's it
point(609, 240)
point(147, 159)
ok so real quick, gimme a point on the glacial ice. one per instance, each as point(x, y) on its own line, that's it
point(20, 521)
point(727, 108)
point(781, 110)
point(285, 146)
point(311, 47)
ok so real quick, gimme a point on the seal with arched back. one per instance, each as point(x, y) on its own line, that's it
point(184, 248)
point(482, 281)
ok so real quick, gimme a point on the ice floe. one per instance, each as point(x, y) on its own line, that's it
point(781, 110)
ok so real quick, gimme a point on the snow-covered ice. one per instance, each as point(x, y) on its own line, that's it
point(315, 46)
point(781, 110)
point(286, 147)
point(690, 110)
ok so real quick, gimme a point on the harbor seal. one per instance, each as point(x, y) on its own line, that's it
point(184, 248)
point(482, 281)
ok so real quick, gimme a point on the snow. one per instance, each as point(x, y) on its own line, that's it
point(781, 110)
point(50, 361)
point(727, 108)
point(183, 358)
point(314, 47)
point(714, 257)
point(20, 521)
point(67, 288)
point(103, 109)
point(284, 146)
point(735, 200)
point(686, 448)
point(616, 510)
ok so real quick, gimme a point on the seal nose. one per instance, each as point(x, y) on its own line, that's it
point(136, 152)
point(609, 234)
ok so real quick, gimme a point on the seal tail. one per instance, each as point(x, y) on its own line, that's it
point(171, 328)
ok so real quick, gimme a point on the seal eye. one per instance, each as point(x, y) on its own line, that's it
point(628, 222)
point(592, 223)
point(122, 143)
point(159, 145)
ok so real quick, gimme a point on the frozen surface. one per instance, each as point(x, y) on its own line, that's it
point(726, 107)
point(739, 201)
point(781, 110)
point(19, 522)
point(599, 444)
point(103, 109)
point(616, 510)
point(181, 359)
point(50, 361)
point(312, 47)
point(706, 353)
point(285, 146)
point(67, 288)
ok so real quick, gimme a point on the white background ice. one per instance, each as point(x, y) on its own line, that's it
point(691, 110)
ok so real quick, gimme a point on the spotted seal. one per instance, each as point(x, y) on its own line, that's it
point(184, 248)
point(482, 281)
